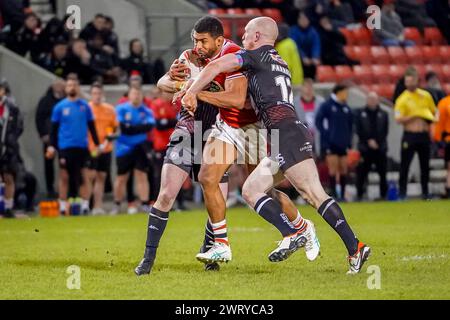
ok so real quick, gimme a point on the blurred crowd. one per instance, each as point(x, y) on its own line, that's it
point(93, 54)
point(132, 133)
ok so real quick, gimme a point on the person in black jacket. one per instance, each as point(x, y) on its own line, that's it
point(55, 31)
point(57, 60)
point(135, 62)
point(333, 42)
point(11, 127)
point(12, 15)
point(372, 125)
point(43, 116)
point(93, 28)
point(103, 62)
point(26, 39)
point(334, 121)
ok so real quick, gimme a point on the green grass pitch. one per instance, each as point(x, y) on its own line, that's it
point(410, 243)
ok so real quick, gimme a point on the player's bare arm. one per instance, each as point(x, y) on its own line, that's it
point(226, 64)
point(233, 96)
point(174, 79)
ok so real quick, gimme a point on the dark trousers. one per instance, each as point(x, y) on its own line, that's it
point(412, 143)
point(368, 159)
point(49, 171)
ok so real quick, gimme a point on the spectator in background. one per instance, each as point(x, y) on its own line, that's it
point(25, 189)
point(287, 49)
point(99, 165)
point(308, 43)
point(439, 10)
point(111, 39)
point(102, 62)
point(434, 86)
point(79, 61)
point(135, 63)
point(333, 42)
point(166, 119)
point(133, 151)
point(43, 124)
point(11, 128)
point(72, 119)
point(414, 14)
point(372, 125)
point(57, 60)
point(341, 14)
point(442, 134)
point(391, 31)
point(12, 15)
point(26, 39)
point(334, 121)
point(309, 105)
point(93, 29)
point(415, 111)
point(54, 32)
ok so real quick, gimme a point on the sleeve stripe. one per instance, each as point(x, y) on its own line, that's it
point(234, 76)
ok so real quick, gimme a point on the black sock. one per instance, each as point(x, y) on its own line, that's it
point(208, 242)
point(333, 186)
point(448, 192)
point(343, 183)
point(146, 203)
point(271, 211)
point(157, 221)
point(334, 216)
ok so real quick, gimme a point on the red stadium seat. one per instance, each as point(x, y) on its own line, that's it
point(446, 73)
point(444, 52)
point(413, 34)
point(379, 55)
point(396, 71)
point(275, 14)
point(326, 74)
point(414, 54)
point(385, 90)
point(431, 54)
point(433, 36)
point(381, 73)
point(227, 29)
point(398, 55)
point(343, 73)
point(362, 54)
point(363, 74)
point(446, 88)
point(216, 11)
point(253, 11)
point(348, 34)
point(348, 50)
point(235, 11)
point(362, 36)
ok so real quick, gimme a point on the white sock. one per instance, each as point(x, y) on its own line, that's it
point(9, 203)
point(62, 205)
point(84, 205)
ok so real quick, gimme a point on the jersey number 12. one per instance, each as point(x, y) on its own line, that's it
point(286, 91)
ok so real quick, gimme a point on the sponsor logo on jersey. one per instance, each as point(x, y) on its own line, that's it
point(278, 59)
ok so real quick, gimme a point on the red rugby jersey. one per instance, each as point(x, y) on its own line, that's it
point(233, 117)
